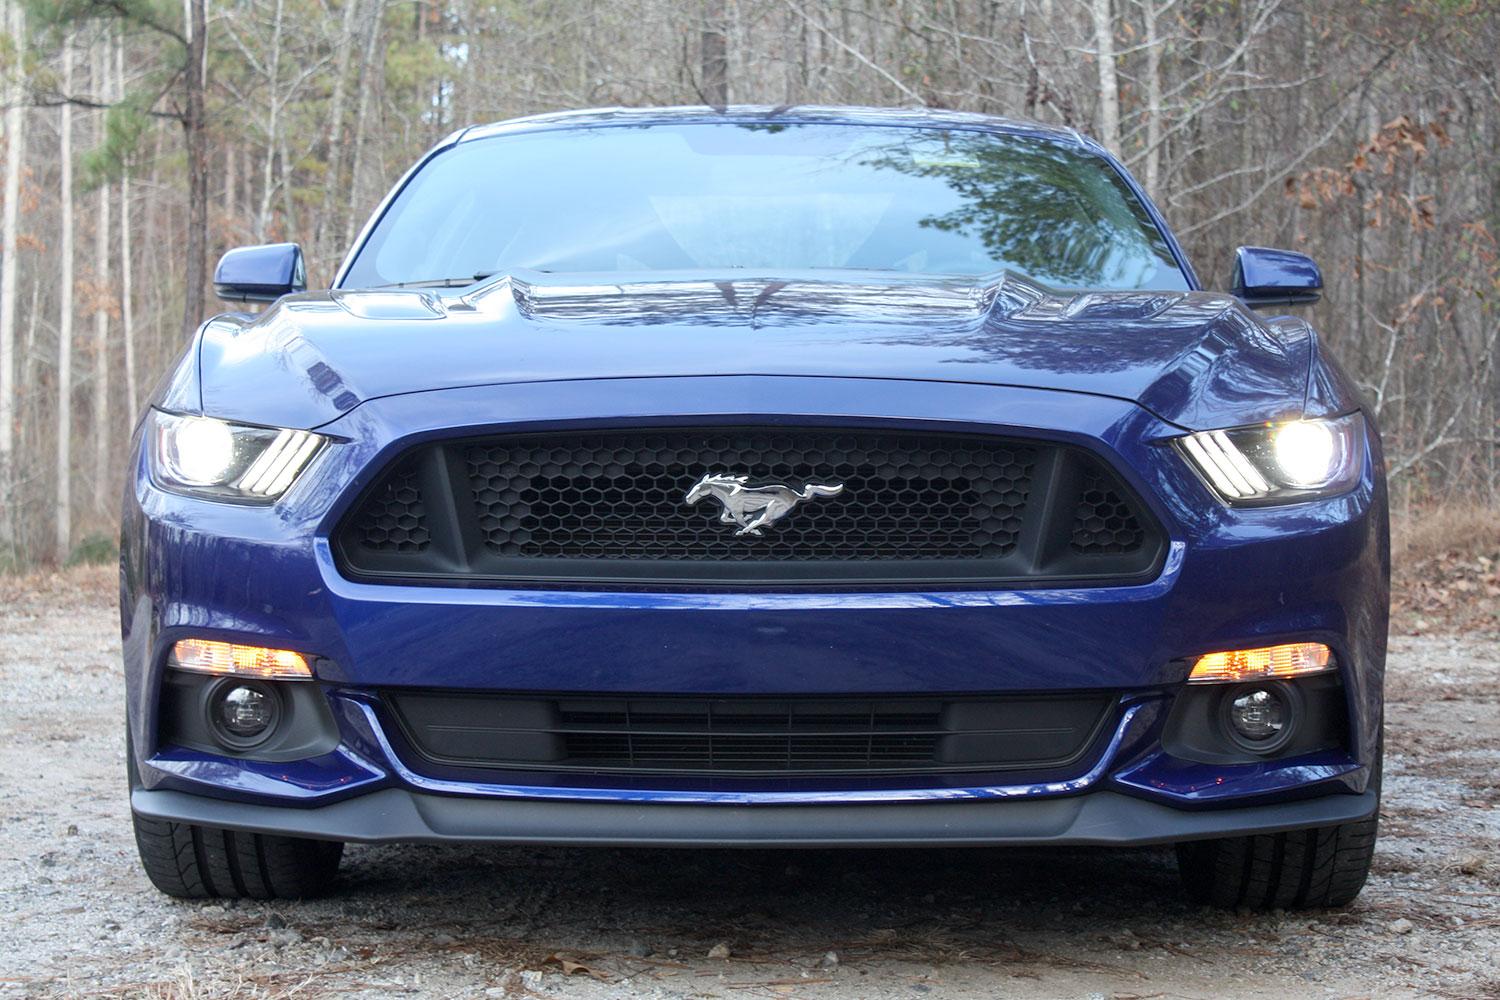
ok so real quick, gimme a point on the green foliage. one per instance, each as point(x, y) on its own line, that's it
point(414, 66)
point(12, 55)
point(160, 16)
point(124, 124)
point(150, 22)
point(96, 549)
point(1076, 221)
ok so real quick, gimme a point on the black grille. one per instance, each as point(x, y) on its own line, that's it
point(394, 517)
point(1104, 521)
point(612, 497)
point(750, 735)
point(866, 506)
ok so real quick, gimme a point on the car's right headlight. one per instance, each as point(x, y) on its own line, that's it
point(1280, 462)
point(220, 460)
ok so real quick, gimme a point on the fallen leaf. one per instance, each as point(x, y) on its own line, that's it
point(570, 966)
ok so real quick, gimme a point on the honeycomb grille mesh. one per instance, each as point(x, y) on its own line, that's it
point(394, 518)
point(869, 506)
point(621, 497)
point(1103, 522)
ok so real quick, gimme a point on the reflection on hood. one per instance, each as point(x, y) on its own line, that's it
point(1194, 358)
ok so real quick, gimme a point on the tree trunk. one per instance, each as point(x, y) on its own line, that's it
point(290, 230)
point(29, 353)
point(714, 54)
point(63, 543)
point(15, 140)
point(1153, 98)
point(368, 71)
point(155, 332)
point(324, 255)
point(127, 314)
point(273, 130)
point(196, 133)
point(1109, 88)
point(101, 429)
point(232, 187)
point(126, 317)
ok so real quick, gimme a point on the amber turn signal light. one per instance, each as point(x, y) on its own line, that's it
point(208, 656)
point(1291, 659)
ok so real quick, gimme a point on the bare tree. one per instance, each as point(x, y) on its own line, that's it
point(99, 390)
point(1109, 87)
point(195, 127)
point(371, 41)
point(1153, 109)
point(15, 144)
point(127, 313)
point(323, 222)
point(714, 54)
point(63, 539)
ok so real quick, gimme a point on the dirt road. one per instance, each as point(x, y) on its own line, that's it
point(78, 918)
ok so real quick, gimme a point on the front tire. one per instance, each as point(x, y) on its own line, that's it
point(203, 862)
point(1320, 868)
point(1297, 870)
point(206, 862)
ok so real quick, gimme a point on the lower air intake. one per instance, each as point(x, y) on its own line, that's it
point(750, 736)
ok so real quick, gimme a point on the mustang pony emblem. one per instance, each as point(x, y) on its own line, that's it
point(755, 507)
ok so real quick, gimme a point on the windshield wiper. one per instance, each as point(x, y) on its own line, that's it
point(440, 282)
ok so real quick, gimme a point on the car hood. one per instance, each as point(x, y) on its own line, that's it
point(1196, 359)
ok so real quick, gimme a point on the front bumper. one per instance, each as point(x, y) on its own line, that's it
point(1106, 819)
point(1313, 572)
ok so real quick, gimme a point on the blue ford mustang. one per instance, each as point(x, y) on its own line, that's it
point(760, 477)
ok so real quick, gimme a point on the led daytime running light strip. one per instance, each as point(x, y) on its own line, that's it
point(275, 468)
point(1230, 470)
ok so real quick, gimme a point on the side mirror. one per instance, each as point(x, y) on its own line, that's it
point(1265, 277)
point(260, 274)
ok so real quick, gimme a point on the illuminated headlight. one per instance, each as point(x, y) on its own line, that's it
point(227, 461)
point(1282, 462)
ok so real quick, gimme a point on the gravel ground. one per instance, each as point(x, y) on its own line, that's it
point(78, 917)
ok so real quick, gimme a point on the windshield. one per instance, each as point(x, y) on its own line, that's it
point(768, 197)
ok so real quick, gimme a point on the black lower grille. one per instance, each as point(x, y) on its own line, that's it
point(750, 736)
point(749, 505)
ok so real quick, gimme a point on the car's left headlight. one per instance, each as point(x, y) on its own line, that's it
point(1280, 462)
point(220, 460)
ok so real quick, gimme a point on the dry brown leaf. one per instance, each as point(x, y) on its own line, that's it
point(571, 966)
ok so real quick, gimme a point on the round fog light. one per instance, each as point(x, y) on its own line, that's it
point(1259, 717)
point(243, 714)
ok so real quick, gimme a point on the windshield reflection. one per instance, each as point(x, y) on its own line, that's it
point(771, 198)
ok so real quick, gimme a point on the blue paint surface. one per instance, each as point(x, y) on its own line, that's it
point(1119, 374)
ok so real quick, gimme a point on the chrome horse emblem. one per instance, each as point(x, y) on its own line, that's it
point(755, 507)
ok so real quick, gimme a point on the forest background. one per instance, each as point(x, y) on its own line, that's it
point(142, 138)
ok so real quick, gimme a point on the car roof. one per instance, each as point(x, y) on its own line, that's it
point(782, 114)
